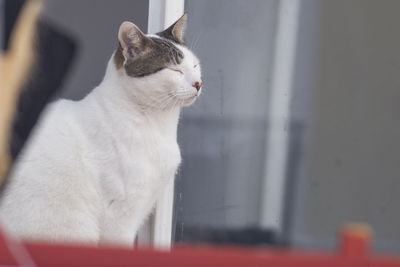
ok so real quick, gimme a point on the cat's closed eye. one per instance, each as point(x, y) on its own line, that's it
point(181, 72)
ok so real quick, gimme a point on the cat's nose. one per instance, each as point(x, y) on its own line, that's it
point(197, 85)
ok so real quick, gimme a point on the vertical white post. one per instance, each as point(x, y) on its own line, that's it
point(162, 225)
point(277, 142)
point(162, 13)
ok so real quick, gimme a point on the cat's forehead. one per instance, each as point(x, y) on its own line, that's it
point(188, 56)
point(166, 46)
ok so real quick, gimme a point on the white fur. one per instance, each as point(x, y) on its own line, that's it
point(94, 168)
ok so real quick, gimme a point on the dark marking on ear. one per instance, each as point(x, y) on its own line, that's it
point(119, 57)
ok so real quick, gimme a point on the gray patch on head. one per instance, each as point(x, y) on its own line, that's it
point(159, 54)
point(167, 34)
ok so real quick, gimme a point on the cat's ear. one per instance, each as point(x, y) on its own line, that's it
point(176, 31)
point(132, 40)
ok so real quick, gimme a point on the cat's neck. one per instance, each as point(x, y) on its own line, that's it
point(113, 100)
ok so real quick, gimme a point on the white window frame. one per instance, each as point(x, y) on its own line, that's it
point(272, 203)
point(158, 231)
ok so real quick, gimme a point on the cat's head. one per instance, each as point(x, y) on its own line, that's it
point(159, 68)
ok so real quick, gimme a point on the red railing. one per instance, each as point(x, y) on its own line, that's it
point(353, 252)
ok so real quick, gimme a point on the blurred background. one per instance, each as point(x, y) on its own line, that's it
point(338, 158)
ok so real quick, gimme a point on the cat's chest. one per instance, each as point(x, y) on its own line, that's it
point(148, 160)
point(152, 154)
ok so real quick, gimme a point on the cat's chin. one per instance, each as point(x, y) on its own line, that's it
point(189, 101)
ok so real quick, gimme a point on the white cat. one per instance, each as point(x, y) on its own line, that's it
point(94, 168)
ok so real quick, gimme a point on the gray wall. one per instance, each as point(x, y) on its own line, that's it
point(223, 135)
point(349, 163)
point(94, 25)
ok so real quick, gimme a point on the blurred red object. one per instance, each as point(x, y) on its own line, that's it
point(353, 252)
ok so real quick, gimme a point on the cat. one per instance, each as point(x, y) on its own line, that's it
point(94, 168)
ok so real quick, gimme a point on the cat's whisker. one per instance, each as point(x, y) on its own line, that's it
point(175, 102)
point(165, 101)
point(184, 94)
point(157, 102)
point(196, 41)
point(191, 44)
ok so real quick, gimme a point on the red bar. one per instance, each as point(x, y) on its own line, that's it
point(353, 252)
point(197, 256)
